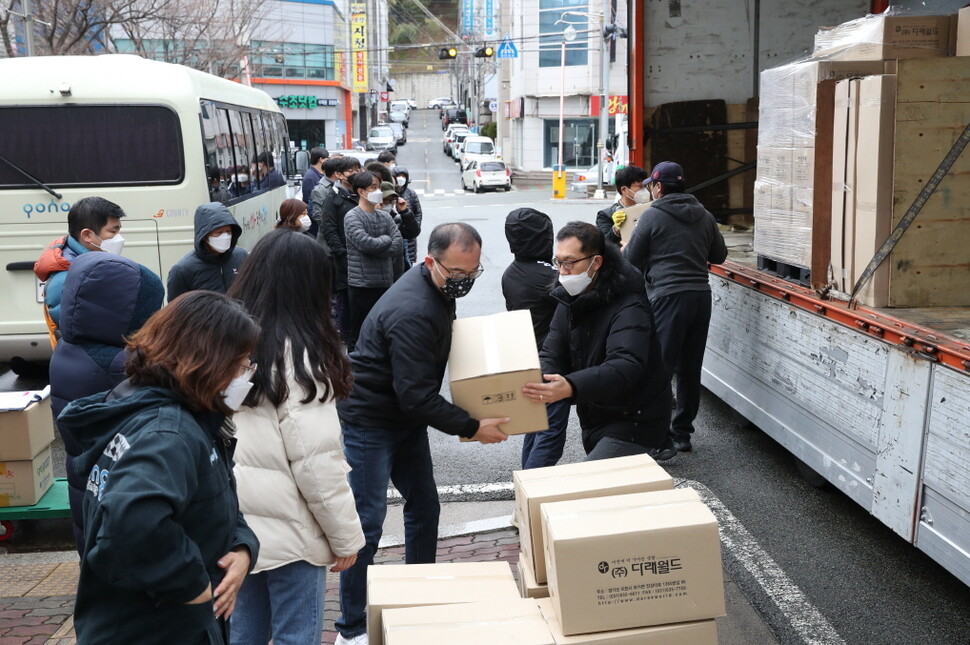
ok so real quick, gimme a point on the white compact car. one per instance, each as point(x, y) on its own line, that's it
point(486, 174)
point(435, 104)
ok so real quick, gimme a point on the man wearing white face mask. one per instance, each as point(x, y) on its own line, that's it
point(630, 190)
point(216, 260)
point(93, 224)
point(601, 353)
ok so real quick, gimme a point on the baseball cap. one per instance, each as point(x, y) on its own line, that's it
point(667, 172)
point(387, 188)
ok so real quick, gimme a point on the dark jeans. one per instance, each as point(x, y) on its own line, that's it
point(541, 449)
point(360, 301)
point(609, 447)
point(340, 312)
point(377, 456)
point(682, 320)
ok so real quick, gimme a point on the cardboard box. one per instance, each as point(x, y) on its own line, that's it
point(24, 434)
point(963, 32)
point(881, 37)
point(23, 483)
point(491, 358)
point(622, 568)
point(633, 214)
point(702, 632)
point(874, 183)
point(528, 587)
point(420, 585)
point(844, 134)
point(602, 478)
point(775, 165)
point(505, 622)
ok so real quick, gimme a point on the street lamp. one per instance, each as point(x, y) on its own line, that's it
point(559, 172)
point(603, 91)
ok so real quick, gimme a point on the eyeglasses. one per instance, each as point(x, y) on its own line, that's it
point(569, 264)
point(461, 275)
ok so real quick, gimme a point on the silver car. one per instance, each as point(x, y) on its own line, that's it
point(381, 137)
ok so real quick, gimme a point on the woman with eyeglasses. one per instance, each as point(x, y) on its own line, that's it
point(290, 464)
point(165, 546)
point(373, 243)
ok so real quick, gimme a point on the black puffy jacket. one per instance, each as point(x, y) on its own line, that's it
point(603, 342)
point(528, 282)
point(203, 269)
point(333, 211)
point(106, 297)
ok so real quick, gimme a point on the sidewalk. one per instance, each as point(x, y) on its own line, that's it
point(37, 590)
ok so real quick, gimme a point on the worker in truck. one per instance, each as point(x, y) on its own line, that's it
point(630, 190)
point(672, 244)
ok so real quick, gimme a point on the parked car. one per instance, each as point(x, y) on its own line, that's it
point(449, 136)
point(359, 154)
point(412, 104)
point(397, 116)
point(400, 105)
point(476, 148)
point(487, 174)
point(400, 132)
point(585, 179)
point(456, 143)
point(381, 137)
point(454, 115)
point(435, 104)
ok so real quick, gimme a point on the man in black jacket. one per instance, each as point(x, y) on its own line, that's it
point(527, 284)
point(672, 244)
point(399, 363)
point(602, 353)
point(332, 212)
point(629, 191)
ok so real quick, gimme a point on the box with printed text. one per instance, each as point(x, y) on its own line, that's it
point(702, 632)
point(24, 482)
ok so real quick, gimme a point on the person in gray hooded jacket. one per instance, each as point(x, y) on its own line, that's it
point(216, 260)
point(672, 244)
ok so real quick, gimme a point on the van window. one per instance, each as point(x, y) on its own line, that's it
point(86, 145)
point(479, 148)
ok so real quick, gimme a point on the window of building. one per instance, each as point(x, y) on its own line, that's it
point(91, 145)
point(292, 60)
point(550, 34)
point(579, 142)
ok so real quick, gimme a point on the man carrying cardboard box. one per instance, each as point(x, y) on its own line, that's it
point(601, 352)
point(399, 363)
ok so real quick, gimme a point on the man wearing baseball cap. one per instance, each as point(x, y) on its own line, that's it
point(672, 245)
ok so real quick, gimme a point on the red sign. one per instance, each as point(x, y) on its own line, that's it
point(616, 105)
point(384, 96)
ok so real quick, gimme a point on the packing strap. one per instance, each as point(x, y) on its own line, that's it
point(907, 219)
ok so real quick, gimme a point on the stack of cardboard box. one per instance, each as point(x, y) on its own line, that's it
point(846, 140)
point(621, 555)
point(26, 434)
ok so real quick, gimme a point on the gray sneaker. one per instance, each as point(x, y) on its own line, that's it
point(683, 445)
point(663, 454)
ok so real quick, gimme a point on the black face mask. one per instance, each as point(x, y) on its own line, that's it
point(456, 287)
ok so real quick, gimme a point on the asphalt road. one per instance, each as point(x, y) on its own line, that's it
point(808, 548)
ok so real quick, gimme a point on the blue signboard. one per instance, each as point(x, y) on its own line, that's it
point(507, 49)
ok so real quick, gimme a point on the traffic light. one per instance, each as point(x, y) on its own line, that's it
point(447, 53)
point(484, 52)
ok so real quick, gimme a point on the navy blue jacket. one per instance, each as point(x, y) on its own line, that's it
point(106, 297)
point(201, 268)
point(160, 509)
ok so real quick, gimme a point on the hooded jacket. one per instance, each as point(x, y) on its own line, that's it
point(672, 244)
point(160, 510)
point(399, 361)
point(106, 298)
point(202, 268)
point(332, 215)
point(51, 268)
point(414, 205)
point(292, 478)
point(527, 282)
point(603, 342)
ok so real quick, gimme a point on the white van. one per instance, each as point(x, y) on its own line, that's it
point(476, 148)
point(139, 133)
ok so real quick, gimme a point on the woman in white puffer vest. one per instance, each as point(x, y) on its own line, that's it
point(290, 466)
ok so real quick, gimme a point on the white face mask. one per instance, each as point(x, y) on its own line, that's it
point(375, 197)
point(304, 223)
point(642, 196)
point(401, 181)
point(113, 244)
point(575, 284)
point(236, 391)
point(220, 243)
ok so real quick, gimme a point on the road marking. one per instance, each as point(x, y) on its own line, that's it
point(805, 619)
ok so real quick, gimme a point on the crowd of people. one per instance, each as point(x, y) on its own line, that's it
point(224, 449)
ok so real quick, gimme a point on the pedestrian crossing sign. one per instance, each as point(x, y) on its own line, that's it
point(507, 49)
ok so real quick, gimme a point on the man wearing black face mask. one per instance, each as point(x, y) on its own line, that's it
point(399, 363)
